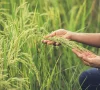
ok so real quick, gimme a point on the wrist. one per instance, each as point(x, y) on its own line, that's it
point(71, 35)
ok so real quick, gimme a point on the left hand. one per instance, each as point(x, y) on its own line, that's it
point(88, 58)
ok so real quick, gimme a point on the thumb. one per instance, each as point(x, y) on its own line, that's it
point(66, 36)
point(87, 59)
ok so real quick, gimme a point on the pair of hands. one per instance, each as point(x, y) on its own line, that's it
point(87, 57)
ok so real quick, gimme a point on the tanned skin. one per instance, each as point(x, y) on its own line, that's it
point(92, 39)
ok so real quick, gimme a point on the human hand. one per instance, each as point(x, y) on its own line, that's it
point(59, 33)
point(88, 58)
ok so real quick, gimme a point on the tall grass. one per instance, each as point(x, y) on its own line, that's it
point(26, 63)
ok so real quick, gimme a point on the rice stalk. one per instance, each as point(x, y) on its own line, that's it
point(68, 43)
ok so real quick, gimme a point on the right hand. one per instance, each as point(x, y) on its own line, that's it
point(59, 33)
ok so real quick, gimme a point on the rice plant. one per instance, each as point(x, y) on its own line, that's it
point(25, 62)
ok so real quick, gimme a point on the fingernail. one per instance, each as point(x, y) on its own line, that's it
point(44, 41)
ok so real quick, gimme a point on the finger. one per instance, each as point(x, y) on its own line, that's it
point(50, 35)
point(89, 60)
point(89, 54)
point(85, 53)
point(45, 41)
point(89, 64)
point(57, 44)
point(77, 50)
point(86, 63)
point(77, 53)
point(50, 43)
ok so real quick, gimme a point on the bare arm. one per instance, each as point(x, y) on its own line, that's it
point(92, 39)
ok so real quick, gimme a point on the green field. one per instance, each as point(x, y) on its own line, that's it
point(28, 64)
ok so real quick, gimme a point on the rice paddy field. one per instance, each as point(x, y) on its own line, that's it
point(28, 64)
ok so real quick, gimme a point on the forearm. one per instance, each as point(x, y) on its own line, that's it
point(92, 39)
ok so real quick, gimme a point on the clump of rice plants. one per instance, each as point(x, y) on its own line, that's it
point(26, 63)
